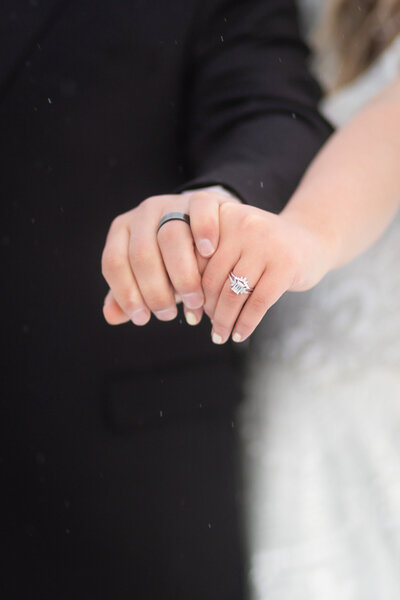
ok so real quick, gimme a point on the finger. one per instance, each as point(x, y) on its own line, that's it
point(245, 273)
point(269, 289)
point(113, 313)
point(118, 274)
point(148, 268)
point(204, 221)
point(193, 316)
point(175, 242)
point(201, 262)
point(216, 275)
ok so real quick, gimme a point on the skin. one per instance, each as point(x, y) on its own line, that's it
point(346, 199)
point(148, 272)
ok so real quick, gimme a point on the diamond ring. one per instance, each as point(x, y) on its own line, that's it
point(239, 285)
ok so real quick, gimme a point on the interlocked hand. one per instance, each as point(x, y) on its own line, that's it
point(149, 270)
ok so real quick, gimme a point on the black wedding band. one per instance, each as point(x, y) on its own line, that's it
point(173, 216)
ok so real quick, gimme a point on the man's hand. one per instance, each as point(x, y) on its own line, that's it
point(148, 272)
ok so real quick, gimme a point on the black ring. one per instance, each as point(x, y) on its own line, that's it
point(173, 216)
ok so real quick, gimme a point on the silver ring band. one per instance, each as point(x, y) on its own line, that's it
point(173, 216)
point(239, 285)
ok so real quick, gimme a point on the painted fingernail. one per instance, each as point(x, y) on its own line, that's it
point(167, 314)
point(237, 337)
point(191, 318)
point(217, 339)
point(140, 316)
point(194, 300)
point(205, 247)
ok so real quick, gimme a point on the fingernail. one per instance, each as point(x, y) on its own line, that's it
point(191, 318)
point(194, 300)
point(140, 316)
point(217, 339)
point(167, 314)
point(205, 247)
point(236, 337)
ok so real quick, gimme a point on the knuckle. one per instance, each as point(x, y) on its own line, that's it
point(251, 223)
point(200, 195)
point(158, 203)
point(127, 299)
point(226, 209)
point(111, 262)
point(233, 212)
point(186, 282)
point(259, 302)
point(150, 200)
point(126, 304)
point(141, 252)
point(158, 300)
point(117, 223)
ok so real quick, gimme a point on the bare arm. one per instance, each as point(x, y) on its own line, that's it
point(351, 191)
point(345, 200)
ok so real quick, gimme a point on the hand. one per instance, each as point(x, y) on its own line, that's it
point(273, 252)
point(148, 272)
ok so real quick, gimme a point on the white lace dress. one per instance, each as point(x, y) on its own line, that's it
point(321, 426)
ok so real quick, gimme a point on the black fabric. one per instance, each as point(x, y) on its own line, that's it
point(118, 446)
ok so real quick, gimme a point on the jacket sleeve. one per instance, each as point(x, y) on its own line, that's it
point(252, 123)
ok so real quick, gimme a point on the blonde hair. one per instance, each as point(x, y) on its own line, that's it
point(353, 34)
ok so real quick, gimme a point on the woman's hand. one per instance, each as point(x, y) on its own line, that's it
point(149, 271)
point(273, 252)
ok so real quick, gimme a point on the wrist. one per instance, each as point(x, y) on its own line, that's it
point(318, 246)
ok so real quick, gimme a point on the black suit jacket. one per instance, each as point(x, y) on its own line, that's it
point(103, 104)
